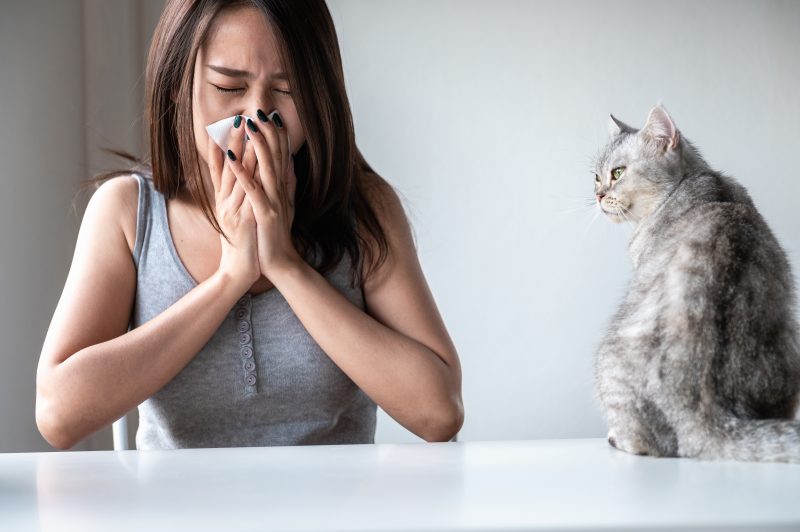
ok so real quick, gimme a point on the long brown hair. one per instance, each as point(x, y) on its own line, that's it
point(332, 212)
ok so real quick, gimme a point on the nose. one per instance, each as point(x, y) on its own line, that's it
point(600, 196)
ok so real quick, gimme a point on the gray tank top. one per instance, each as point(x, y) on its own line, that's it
point(260, 379)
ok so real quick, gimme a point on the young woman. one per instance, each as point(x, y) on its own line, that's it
point(269, 295)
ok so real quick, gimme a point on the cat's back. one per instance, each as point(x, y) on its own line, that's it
point(720, 266)
point(729, 235)
point(713, 222)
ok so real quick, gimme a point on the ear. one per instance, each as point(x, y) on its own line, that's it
point(616, 127)
point(661, 129)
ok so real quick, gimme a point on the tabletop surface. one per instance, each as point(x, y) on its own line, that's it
point(504, 485)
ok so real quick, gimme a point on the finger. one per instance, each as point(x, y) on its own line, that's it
point(247, 183)
point(283, 134)
point(274, 142)
point(266, 170)
point(249, 160)
point(283, 144)
point(234, 148)
point(247, 208)
point(237, 196)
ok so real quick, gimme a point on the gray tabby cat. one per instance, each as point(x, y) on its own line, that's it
point(702, 359)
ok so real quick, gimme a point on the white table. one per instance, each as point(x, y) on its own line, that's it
point(519, 485)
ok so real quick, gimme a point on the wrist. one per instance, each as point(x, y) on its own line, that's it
point(285, 269)
point(228, 285)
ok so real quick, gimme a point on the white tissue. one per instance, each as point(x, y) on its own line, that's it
point(220, 131)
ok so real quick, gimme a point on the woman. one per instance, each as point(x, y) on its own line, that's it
point(273, 295)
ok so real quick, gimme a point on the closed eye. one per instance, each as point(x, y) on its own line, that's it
point(240, 89)
point(227, 91)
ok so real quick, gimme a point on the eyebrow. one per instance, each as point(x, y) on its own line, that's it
point(234, 73)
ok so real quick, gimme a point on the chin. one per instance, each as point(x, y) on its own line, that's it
point(613, 216)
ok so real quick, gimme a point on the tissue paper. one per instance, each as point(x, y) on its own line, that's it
point(220, 131)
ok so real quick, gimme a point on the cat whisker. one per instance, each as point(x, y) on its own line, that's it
point(624, 212)
point(597, 212)
point(573, 210)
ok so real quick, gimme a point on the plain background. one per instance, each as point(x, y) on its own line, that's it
point(484, 115)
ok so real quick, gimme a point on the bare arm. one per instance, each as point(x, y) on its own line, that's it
point(91, 370)
point(399, 351)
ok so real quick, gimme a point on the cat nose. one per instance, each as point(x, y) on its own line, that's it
point(600, 197)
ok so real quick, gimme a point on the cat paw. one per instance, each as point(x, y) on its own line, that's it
point(627, 445)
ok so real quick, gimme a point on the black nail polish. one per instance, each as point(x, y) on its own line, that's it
point(237, 121)
point(231, 155)
point(252, 126)
point(277, 119)
point(262, 116)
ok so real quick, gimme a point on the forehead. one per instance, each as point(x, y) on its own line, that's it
point(242, 38)
point(618, 147)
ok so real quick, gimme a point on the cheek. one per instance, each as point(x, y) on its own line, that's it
point(200, 133)
point(202, 116)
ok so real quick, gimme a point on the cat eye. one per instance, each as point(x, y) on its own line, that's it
point(597, 179)
point(616, 173)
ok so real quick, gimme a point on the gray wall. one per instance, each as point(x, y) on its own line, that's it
point(71, 84)
point(484, 115)
point(42, 149)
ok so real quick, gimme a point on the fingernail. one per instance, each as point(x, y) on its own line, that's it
point(237, 121)
point(277, 119)
point(252, 125)
point(262, 116)
point(231, 155)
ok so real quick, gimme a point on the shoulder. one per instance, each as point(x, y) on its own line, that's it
point(116, 200)
point(715, 220)
point(385, 203)
point(400, 249)
point(717, 236)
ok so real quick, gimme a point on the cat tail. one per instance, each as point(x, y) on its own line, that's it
point(756, 440)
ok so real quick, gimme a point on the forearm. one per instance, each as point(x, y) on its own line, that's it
point(100, 383)
point(408, 380)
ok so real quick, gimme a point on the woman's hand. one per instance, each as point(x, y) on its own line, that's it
point(270, 190)
point(239, 257)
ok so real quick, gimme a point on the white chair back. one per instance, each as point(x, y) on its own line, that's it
point(119, 431)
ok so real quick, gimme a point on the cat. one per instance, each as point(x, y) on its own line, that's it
point(702, 358)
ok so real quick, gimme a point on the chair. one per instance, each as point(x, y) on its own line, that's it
point(119, 432)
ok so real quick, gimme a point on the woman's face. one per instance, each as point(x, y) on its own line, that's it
point(241, 39)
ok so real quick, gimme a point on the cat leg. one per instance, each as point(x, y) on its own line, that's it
point(616, 392)
point(631, 431)
point(626, 429)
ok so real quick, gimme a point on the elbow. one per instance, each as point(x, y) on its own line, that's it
point(52, 426)
point(444, 426)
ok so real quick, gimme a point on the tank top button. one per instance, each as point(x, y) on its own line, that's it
point(250, 380)
point(244, 326)
point(241, 313)
point(249, 365)
point(247, 352)
point(244, 338)
point(243, 301)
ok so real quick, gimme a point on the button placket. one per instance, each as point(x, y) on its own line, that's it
point(243, 327)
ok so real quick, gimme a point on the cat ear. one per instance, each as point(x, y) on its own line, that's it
point(661, 128)
point(615, 127)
